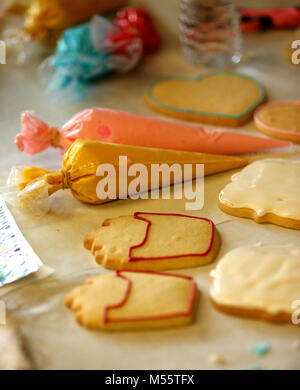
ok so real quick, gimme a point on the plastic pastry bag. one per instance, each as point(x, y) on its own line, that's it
point(84, 53)
point(47, 19)
point(93, 172)
point(121, 127)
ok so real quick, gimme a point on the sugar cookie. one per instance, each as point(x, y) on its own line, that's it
point(154, 242)
point(134, 299)
point(258, 281)
point(266, 191)
point(279, 120)
point(222, 98)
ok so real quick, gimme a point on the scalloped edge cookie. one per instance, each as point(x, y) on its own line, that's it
point(149, 241)
point(134, 299)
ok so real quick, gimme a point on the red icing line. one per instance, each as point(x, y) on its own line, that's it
point(136, 215)
point(121, 303)
point(150, 318)
point(271, 128)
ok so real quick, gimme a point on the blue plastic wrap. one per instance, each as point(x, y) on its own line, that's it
point(83, 54)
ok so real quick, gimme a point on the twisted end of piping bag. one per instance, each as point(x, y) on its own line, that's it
point(29, 188)
point(35, 135)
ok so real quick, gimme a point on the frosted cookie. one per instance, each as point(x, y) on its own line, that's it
point(222, 98)
point(258, 281)
point(279, 120)
point(134, 299)
point(154, 242)
point(266, 191)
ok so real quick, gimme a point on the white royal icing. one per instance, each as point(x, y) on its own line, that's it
point(258, 277)
point(266, 186)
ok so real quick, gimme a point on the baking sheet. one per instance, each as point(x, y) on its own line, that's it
point(53, 338)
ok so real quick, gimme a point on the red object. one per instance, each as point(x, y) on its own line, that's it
point(136, 22)
point(260, 19)
point(121, 38)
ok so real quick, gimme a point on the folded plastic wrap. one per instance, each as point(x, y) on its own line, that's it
point(37, 203)
point(47, 19)
point(136, 21)
point(84, 53)
point(20, 49)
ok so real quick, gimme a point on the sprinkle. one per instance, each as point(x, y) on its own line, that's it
point(260, 349)
point(2, 277)
point(296, 344)
point(216, 358)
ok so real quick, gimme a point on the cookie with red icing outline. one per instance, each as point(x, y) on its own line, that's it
point(154, 242)
point(134, 299)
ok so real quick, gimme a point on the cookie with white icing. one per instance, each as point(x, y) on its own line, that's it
point(258, 281)
point(133, 299)
point(154, 242)
point(266, 191)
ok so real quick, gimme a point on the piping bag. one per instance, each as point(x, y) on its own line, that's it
point(31, 187)
point(79, 58)
point(46, 19)
point(106, 125)
point(92, 50)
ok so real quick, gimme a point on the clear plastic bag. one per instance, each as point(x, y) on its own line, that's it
point(33, 199)
point(85, 53)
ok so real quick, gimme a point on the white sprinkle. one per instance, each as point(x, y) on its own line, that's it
point(259, 244)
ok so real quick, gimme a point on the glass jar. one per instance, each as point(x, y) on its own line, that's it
point(209, 32)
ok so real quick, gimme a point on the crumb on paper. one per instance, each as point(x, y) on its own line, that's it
point(259, 244)
point(216, 358)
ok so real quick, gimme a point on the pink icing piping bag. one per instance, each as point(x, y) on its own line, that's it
point(106, 125)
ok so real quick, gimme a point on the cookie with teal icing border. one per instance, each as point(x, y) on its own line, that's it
point(231, 94)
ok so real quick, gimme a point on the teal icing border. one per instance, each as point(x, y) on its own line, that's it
point(190, 111)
